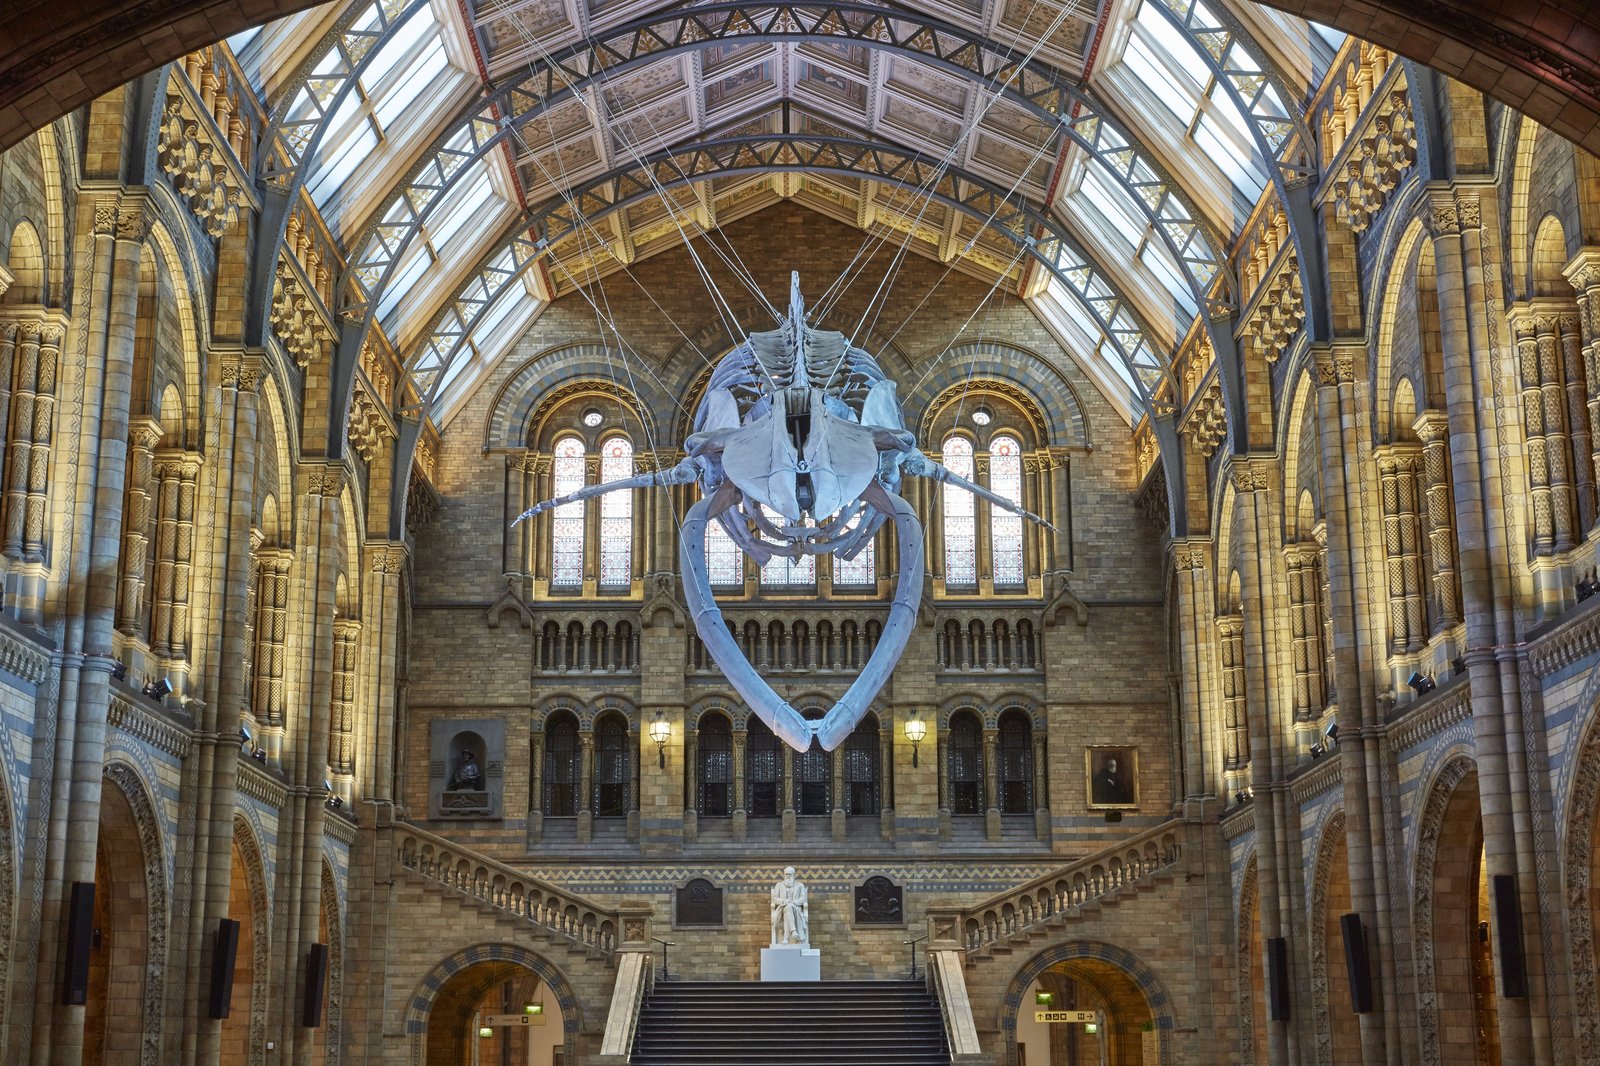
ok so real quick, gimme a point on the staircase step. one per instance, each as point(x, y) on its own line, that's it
point(820, 1023)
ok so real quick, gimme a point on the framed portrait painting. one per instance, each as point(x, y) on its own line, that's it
point(1112, 773)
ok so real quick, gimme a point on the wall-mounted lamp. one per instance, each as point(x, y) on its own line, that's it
point(158, 690)
point(916, 729)
point(244, 739)
point(1421, 683)
point(661, 732)
point(533, 1008)
point(485, 1031)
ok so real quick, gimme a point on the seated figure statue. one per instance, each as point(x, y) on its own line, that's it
point(791, 922)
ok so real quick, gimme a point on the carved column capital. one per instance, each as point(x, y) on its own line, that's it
point(1192, 553)
point(1335, 365)
point(1431, 427)
point(1252, 473)
point(322, 479)
point(385, 557)
point(1584, 269)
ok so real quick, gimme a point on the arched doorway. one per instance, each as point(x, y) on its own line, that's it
point(448, 1016)
point(1133, 1024)
point(244, 1029)
point(1338, 1028)
point(126, 954)
point(1455, 950)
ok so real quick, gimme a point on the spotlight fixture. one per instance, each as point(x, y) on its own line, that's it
point(259, 755)
point(1318, 751)
point(244, 739)
point(1243, 796)
point(158, 690)
point(1588, 586)
point(1421, 683)
point(1331, 734)
point(916, 729)
point(119, 671)
point(1458, 665)
point(661, 732)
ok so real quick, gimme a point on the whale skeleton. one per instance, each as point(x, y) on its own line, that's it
point(800, 423)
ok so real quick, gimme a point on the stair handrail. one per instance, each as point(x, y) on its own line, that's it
point(1083, 880)
point(949, 987)
point(503, 886)
point(635, 979)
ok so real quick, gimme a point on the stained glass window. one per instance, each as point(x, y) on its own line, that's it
point(616, 515)
point(1005, 528)
point(960, 518)
point(724, 560)
point(787, 573)
point(862, 570)
point(566, 522)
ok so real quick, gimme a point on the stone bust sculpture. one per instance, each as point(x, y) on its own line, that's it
point(791, 922)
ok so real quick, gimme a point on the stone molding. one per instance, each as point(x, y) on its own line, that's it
point(256, 782)
point(23, 657)
point(143, 725)
point(1570, 642)
point(1325, 775)
point(1431, 719)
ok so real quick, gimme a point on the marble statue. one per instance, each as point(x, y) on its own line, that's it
point(799, 423)
point(791, 918)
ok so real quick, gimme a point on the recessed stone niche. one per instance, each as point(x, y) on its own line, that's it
point(466, 768)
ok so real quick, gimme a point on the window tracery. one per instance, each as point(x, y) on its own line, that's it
point(616, 515)
point(960, 517)
point(566, 523)
point(1005, 528)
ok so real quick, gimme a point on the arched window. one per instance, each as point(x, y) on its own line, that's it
point(862, 570)
point(612, 774)
point(566, 521)
point(862, 777)
point(716, 767)
point(966, 764)
point(1005, 528)
point(724, 560)
point(813, 774)
point(782, 573)
point(763, 770)
point(561, 778)
point(616, 515)
point(960, 517)
point(1016, 763)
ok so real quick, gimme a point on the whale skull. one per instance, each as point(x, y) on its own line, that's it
point(799, 424)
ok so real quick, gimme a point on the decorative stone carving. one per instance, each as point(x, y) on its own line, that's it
point(1387, 149)
point(879, 901)
point(466, 767)
point(697, 903)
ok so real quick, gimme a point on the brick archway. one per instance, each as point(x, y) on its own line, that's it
point(75, 50)
point(423, 1000)
point(1108, 960)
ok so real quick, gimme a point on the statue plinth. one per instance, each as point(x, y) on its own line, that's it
point(791, 962)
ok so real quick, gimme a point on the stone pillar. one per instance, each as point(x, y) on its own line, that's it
point(1584, 274)
point(1305, 628)
point(991, 773)
point(177, 473)
point(1041, 787)
point(271, 657)
point(942, 767)
point(786, 758)
point(1203, 742)
point(1235, 724)
point(536, 789)
point(741, 814)
point(1398, 467)
point(1433, 429)
point(1469, 339)
point(1580, 431)
point(19, 468)
point(86, 539)
point(342, 709)
point(586, 785)
point(836, 790)
point(137, 527)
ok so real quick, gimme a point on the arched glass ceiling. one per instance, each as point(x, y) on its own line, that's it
point(428, 65)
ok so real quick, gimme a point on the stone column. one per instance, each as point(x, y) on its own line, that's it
point(1398, 467)
point(19, 466)
point(586, 785)
point(177, 473)
point(1305, 627)
point(836, 788)
point(1580, 431)
point(741, 744)
point(137, 527)
point(536, 788)
point(342, 709)
point(1235, 724)
point(991, 773)
point(86, 540)
point(1041, 788)
point(1433, 429)
point(786, 758)
point(1470, 338)
point(941, 757)
point(1544, 418)
point(1584, 274)
point(1203, 739)
point(271, 656)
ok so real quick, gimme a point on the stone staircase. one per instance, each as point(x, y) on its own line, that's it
point(817, 1023)
point(1043, 907)
point(552, 914)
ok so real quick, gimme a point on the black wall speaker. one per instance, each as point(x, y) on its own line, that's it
point(1508, 929)
point(316, 974)
point(224, 952)
point(77, 938)
point(1356, 963)
point(1277, 979)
